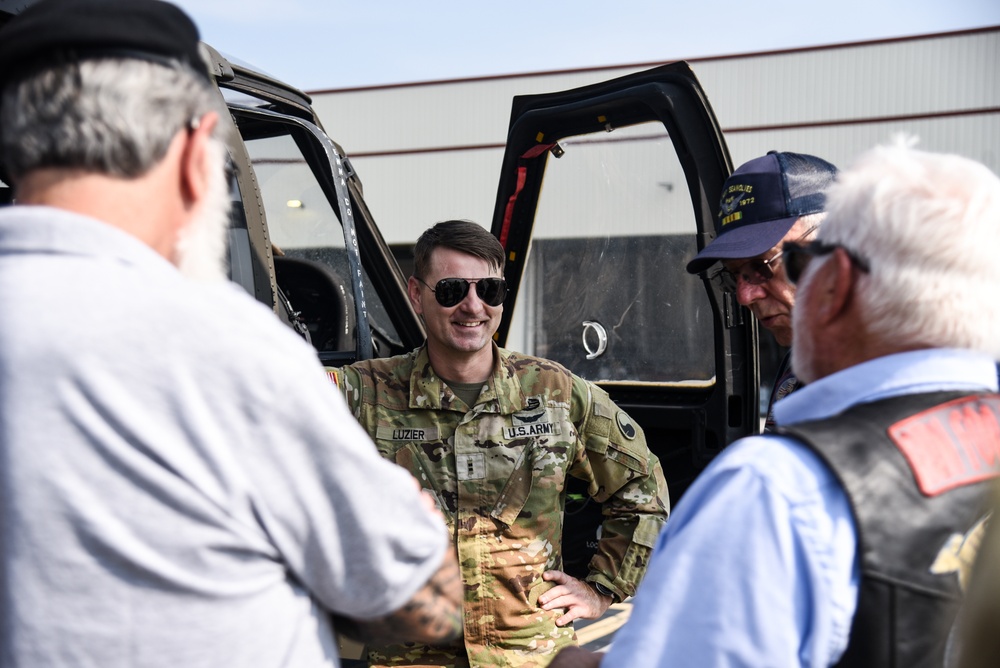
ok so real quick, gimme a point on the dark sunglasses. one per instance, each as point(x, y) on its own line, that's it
point(451, 291)
point(797, 257)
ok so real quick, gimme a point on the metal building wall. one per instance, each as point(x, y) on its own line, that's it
point(430, 151)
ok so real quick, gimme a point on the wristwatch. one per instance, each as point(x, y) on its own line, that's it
point(604, 591)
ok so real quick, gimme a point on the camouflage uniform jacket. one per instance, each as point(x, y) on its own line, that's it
point(498, 471)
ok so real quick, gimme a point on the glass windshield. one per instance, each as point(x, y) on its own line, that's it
point(299, 216)
point(605, 291)
point(308, 240)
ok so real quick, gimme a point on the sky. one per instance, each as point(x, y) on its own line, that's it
point(330, 44)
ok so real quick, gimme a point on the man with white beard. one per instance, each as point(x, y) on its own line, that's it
point(847, 536)
point(180, 485)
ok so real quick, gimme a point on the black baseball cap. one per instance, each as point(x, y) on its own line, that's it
point(761, 201)
point(62, 31)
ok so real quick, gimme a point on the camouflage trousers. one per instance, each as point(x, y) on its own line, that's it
point(413, 655)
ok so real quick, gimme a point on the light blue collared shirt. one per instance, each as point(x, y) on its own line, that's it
point(757, 566)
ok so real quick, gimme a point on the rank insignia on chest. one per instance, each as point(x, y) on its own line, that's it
point(471, 466)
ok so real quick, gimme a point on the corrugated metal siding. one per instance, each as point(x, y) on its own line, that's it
point(977, 137)
point(926, 76)
point(409, 193)
point(436, 115)
point(427, 152)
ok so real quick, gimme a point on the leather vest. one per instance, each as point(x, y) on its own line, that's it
point(915, 469)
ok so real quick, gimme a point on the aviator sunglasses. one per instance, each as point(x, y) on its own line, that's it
point(756, 271)
point(451, 291)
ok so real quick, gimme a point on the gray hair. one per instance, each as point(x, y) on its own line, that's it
point(812, 222)
point(110, 116)
point(929, 226)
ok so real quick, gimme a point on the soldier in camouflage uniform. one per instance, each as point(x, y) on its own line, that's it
point(493, 435)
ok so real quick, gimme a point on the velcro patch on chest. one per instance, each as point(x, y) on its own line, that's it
point(951, 445)
point(415, 434)
point(525, 430)
point(534, 420)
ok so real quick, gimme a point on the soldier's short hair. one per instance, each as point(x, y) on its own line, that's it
point(462, 235)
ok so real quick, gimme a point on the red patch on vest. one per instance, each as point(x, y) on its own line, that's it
point(951, 445)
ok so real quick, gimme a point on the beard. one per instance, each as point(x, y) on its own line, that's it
point(202, 245)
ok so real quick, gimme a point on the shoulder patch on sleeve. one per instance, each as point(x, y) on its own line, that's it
point(625, 425)
point(334, 376)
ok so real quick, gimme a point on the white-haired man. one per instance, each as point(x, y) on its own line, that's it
point(180, 484)
point(844, 539)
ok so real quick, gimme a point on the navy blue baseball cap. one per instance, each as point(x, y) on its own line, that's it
point(761, 201)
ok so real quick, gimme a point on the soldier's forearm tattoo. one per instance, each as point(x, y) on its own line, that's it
point(432, 616)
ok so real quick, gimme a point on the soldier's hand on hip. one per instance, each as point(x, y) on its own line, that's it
point(580, 600)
